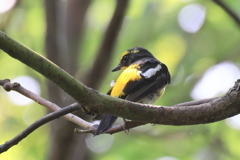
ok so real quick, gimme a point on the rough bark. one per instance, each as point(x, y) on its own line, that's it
point(94, 102)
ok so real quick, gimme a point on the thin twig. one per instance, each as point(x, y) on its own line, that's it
point(8, 86)
point(51, 116)
point(114, 129)
point(228, 11)
point(198, 102)
point(95, 102)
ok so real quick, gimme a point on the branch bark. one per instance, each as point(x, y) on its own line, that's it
point(94, 102)
point(51, 116)
point(8, 86)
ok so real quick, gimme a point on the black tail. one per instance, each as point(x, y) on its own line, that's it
point(105, 124)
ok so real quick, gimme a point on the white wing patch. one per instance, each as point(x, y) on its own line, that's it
point(151, 72)
point(112, 83)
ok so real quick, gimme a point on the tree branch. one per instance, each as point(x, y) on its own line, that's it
point(86, 125)
point(74, 28)
point(4, 147)
point(100, 65)
point(8, 86)
point(114, 129)
point(228, 11)
point(94, 102)
point(64, 30)
point(42, 65)
point(198, 102)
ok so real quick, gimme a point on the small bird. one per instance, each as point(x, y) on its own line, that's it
point(143, 80)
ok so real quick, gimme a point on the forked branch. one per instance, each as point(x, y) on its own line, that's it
point(51, 116)
point(188, 113)
point(94, 102)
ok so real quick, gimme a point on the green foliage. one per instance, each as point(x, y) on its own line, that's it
point(153, 25)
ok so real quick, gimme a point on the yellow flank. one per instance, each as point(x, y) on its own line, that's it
point(129, 74)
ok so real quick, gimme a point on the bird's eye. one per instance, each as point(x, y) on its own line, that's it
point(125, 58)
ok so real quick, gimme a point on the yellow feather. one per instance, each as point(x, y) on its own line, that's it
point(129, 74)
point(124, 53)
point(127, 52)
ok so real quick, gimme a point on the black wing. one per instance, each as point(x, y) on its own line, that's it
point(155, 76)
point(137, 90)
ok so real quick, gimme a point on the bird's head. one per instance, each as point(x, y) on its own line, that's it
point(130, 56)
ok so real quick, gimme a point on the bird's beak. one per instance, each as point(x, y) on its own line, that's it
point(117, 68)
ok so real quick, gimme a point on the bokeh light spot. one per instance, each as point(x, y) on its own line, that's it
point(6, 5)
point(191, 17)
point(234, 122)
point(100, 143)
point(28, 83)
point(170, 49)
point(216, 80)
point(167, 158)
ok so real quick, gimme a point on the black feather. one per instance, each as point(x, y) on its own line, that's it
point(106, 123)
point(137, 90)
point(144, 91)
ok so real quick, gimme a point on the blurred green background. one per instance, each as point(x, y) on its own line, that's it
point(196, 39)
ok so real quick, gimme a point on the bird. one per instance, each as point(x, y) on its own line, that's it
point(143, 79)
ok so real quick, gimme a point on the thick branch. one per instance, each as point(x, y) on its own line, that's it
point(94, 102)
point(4, 147)
point(43, 66)
point(8, 86)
